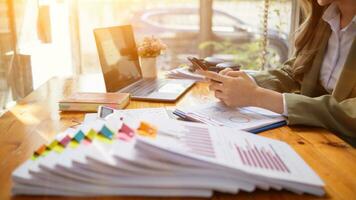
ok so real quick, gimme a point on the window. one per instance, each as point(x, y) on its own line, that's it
point(168, 20)
point(64, 44)
point(244, 18)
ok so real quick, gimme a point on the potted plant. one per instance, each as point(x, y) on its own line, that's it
point(148, 50)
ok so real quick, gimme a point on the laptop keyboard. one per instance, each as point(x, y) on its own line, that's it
point(145, 86)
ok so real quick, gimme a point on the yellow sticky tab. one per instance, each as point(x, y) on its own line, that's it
point(58, 148)
point(103, 139)
point(147, 130)
point(73, 144)
point(91, 134)
point(53, 144)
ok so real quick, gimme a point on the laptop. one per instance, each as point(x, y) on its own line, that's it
point(121, 68)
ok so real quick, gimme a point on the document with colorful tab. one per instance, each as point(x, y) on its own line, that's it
point(124, 155)
point(251, 119)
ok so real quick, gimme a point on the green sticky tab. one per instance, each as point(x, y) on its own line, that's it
point(79, 136)
point(91, 134)
point(34, 157)
point(105, 131)
point(45, 153)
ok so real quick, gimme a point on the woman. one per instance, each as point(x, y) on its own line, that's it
point(317, 86)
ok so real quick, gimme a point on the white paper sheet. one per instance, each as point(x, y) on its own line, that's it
point(247, 118)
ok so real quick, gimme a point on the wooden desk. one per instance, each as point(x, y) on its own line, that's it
point(35, 120)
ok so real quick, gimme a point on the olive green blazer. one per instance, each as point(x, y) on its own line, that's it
point(307, 101)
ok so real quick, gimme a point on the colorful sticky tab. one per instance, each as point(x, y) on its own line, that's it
point(123, 137)
point(52, 144)
point(104, 139)
point(58, 148)
point(34, 157)
point(73, 144)
point(65, 141)
point(45, 153)
point(125, 133)
point(41, 150)
point(146, 129)
point(79, 136)
point(105, 131)
point(86, 142)
point(91, 134)
point(127, 130)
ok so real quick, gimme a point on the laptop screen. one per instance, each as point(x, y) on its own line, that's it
point(118, 56)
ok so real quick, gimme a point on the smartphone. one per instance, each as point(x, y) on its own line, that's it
point(198, 64)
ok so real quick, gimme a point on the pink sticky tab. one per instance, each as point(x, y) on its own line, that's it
point(86, 142)
point(124, 137)
point(127, 130)
point(65, 140)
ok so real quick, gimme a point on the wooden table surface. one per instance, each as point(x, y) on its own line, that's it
point(36, 119)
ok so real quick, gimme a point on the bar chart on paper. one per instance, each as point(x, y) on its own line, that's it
point(198, 141)
point(264, 157)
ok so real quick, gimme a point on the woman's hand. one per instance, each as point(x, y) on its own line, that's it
point(237, 89)
point(234, 88)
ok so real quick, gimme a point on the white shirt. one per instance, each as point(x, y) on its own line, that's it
point(338, 48)
point(339, 45)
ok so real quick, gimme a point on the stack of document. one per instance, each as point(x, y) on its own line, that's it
point(122, 155)
point(251, 119)
point(184, 73)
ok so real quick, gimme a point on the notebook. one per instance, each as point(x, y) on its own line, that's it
point(89, 102)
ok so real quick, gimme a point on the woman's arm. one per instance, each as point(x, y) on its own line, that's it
point(324, 111)
point(237, 89)
point(280, 79)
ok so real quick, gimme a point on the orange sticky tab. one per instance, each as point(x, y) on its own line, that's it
point(146, 129)
point(41, 150)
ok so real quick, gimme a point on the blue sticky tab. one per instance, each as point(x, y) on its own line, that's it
point(79, 136)
point(106, 132)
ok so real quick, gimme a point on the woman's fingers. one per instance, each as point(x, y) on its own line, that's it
point(235, 73)
point(216, 86)
point(243, 75)
point(220, 95)
point(214, 76)
point(225, 71)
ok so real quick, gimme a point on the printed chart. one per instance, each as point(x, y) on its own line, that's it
point(247, 118)
point(223, 116)
point(198, 141)
point(261, 157)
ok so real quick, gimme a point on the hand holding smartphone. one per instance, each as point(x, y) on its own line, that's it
point(197, 64)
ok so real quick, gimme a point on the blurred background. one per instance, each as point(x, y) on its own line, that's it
point(40, 39)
